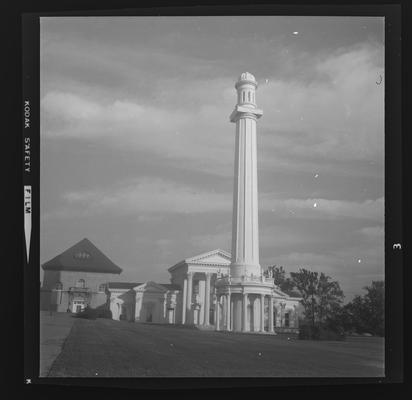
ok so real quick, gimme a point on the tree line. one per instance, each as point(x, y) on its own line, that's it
point(324, 313)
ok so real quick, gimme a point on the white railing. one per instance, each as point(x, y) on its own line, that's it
point(245, 279)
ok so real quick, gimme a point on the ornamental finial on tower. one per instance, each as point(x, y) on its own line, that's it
point(246, 76)
point(246, 79)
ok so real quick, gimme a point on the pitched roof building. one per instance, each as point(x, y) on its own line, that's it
point(83, 256)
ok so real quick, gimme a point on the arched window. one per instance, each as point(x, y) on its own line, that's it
point(81, 283)
point(243, 96)
point(248, 96)
point(59, 286)
point(102, 287)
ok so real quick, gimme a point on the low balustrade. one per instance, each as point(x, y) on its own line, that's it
point(79, 289)
point(244, 279)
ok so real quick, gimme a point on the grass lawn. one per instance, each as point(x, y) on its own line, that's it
point(107, 348)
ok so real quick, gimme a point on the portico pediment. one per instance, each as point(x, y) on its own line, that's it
point(214, 257)
point(150, 287)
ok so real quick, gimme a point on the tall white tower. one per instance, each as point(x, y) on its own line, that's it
point(245, 227)
point(242, 296)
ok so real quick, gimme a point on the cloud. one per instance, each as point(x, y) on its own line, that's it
point(322, 208)
point(337, 115)
point(190, 137)
point(147, 196)
point(207, 242)
point(154, 195)
point(372, 232)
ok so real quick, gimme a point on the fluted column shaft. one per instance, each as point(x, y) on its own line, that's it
point(184, 301)
point(189, 297)
point(245, 230)
point(228, 316)
point(262, 312)
point(218, 313)
point(244, 309)
point(271, 329)
point(207, 300)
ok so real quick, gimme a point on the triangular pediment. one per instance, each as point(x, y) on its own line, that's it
point(151, 287)
point(217, 256)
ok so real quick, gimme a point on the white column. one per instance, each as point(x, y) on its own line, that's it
point(184, 301)
point(244, 309)
point(245, 233)
point(165, 317)
point(207, 301)
point(228, 316)
point(217, 313)
point(189, 298)
point(282, 314)
point(271, 329)
point(262, 312)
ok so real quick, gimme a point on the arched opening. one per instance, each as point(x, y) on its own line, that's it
point(81, 283)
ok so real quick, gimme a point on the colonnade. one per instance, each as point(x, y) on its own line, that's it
point(188, 298)
point(226, 302)
point(254, 319)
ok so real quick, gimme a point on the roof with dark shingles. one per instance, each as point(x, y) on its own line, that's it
point(83, 256)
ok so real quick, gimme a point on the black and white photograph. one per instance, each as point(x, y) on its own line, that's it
point(212, 196)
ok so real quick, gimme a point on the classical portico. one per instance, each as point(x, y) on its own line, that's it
point(197, 277)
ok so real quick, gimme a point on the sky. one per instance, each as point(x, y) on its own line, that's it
point(137, 151)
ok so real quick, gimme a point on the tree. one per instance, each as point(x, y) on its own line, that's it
point(366, 313)
point(321, 296)
point(279, 278)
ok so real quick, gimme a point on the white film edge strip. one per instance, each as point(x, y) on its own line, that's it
point(27, 218)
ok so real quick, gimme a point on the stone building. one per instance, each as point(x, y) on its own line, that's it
point(77, 278)
point(143, 302)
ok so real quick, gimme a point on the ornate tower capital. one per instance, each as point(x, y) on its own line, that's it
point(246, 98)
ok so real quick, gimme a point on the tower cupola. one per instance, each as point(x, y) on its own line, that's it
point(246, 87)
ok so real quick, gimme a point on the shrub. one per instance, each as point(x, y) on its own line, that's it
point(105, 313)
point(88, 313)
point(308, 332)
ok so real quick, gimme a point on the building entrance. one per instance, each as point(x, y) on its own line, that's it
point(78, 306)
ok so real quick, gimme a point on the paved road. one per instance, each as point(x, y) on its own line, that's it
point(106, 348)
